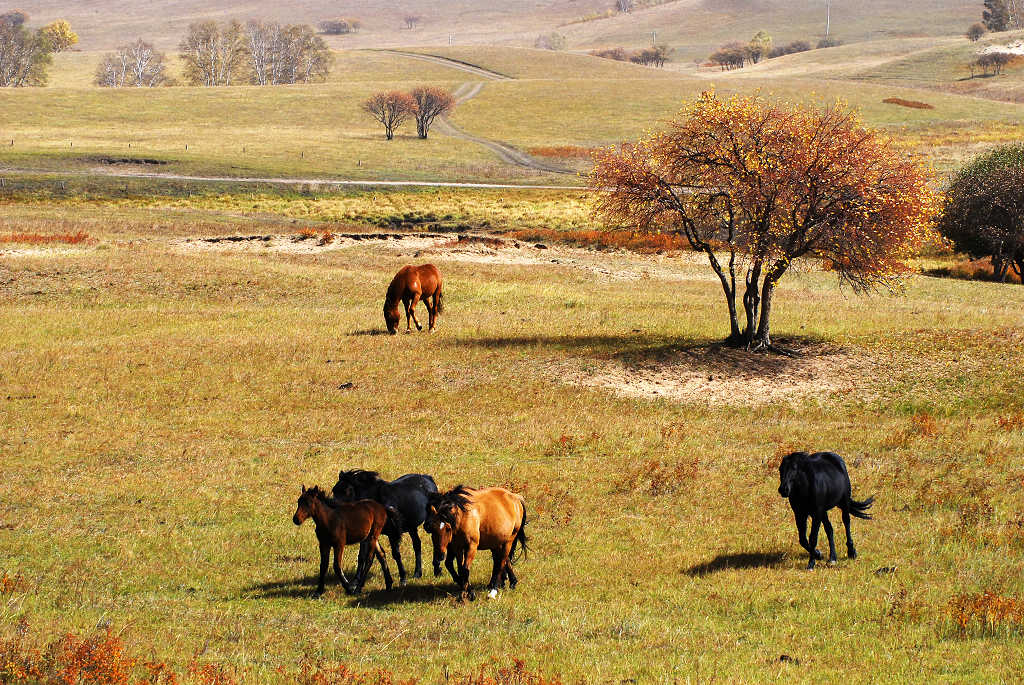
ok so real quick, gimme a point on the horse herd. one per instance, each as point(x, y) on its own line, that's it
point(363, 506)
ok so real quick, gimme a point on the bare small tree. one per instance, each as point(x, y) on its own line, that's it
point(431, 103)
point(976, 31)
point(625, 5)
point(214, 54)
point(391, 109)
point(138, 65)
point(411, 20)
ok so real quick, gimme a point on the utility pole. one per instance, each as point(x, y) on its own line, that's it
point(654, 38)
point(828, 16)
point(450, 39)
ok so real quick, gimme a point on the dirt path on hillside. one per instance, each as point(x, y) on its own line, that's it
point(312, 182)
point(467, 91)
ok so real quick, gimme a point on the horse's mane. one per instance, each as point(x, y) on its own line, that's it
point(319, 494)
point(457, 498)
point(360, 476)
point(394, 292)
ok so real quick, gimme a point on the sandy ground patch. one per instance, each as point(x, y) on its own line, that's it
point(1011, 48)
point(48, 251)
point(714, 375)
point(477, 249)
point(308, 244)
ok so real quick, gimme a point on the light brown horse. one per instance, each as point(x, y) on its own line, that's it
point(345, 523)
point(462, 521)
point(410, 285)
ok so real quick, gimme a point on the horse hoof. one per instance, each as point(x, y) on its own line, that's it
point(852, 554)
point(833, 562)
point(419, 574)
point(401, 581)
point(493, 594)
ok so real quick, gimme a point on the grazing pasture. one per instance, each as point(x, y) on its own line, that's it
point(319, 131)
point(150, 480)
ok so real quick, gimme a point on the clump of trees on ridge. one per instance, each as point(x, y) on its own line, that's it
point(423, 104)
point(736, 54)
point(655, 56)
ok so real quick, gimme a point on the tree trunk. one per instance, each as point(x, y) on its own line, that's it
point(763, 339)
point(751, 300)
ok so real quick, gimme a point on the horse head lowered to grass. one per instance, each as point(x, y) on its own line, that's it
point(410, 285)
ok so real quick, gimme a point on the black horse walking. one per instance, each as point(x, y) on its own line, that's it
point(815, 483)
point(409, 494)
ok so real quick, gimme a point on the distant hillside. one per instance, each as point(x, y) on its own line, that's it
point(694, 27)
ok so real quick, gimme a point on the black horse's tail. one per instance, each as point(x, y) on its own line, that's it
point(393, 525)
point(520, 540)
point(860, 509)
point(440, 301)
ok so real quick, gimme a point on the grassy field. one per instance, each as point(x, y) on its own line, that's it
point(151, 479)
point(319, 131)
point(165, 392)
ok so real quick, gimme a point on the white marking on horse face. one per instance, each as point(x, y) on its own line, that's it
point(441, 526)
point(492, 594)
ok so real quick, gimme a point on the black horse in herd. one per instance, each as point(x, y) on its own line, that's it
point(409, 495)
point(815, 483)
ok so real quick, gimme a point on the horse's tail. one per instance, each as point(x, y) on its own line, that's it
point(860, 509)
point(440, 299)
point(520, 540)
point(393, 522)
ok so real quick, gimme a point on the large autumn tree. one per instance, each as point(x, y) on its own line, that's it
point(759, 187)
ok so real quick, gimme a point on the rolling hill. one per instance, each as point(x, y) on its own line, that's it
point(693, 27)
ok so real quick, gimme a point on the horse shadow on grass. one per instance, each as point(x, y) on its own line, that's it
point(739, 561)
point(372, 596)
point(368, 332)
point(292, 588)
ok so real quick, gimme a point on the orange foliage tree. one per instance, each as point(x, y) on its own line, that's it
point(756, 185)
point(391, 109)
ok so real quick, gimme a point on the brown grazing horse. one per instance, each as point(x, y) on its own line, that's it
point(339, 524)
point(462, 520)
point(410, 285)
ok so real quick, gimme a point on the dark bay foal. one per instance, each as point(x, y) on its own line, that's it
point(342, 523)
point(815, 483)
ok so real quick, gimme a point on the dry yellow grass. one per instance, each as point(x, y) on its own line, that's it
point(162, 405)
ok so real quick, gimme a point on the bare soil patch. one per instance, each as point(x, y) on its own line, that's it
point(714, 374)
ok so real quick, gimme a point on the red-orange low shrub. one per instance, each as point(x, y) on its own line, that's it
point(913, 104)
point(562, 151)
point(625, 240)
point(46, 238)
point(986, 613)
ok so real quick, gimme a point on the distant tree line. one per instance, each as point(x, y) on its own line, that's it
point(137, 64)
point(992, 63)
point(1000, 15)
point(655, 56)
point(736, 54)
point(340, 26)
point(25, 54)
point(551, 41)
point(224, 54)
